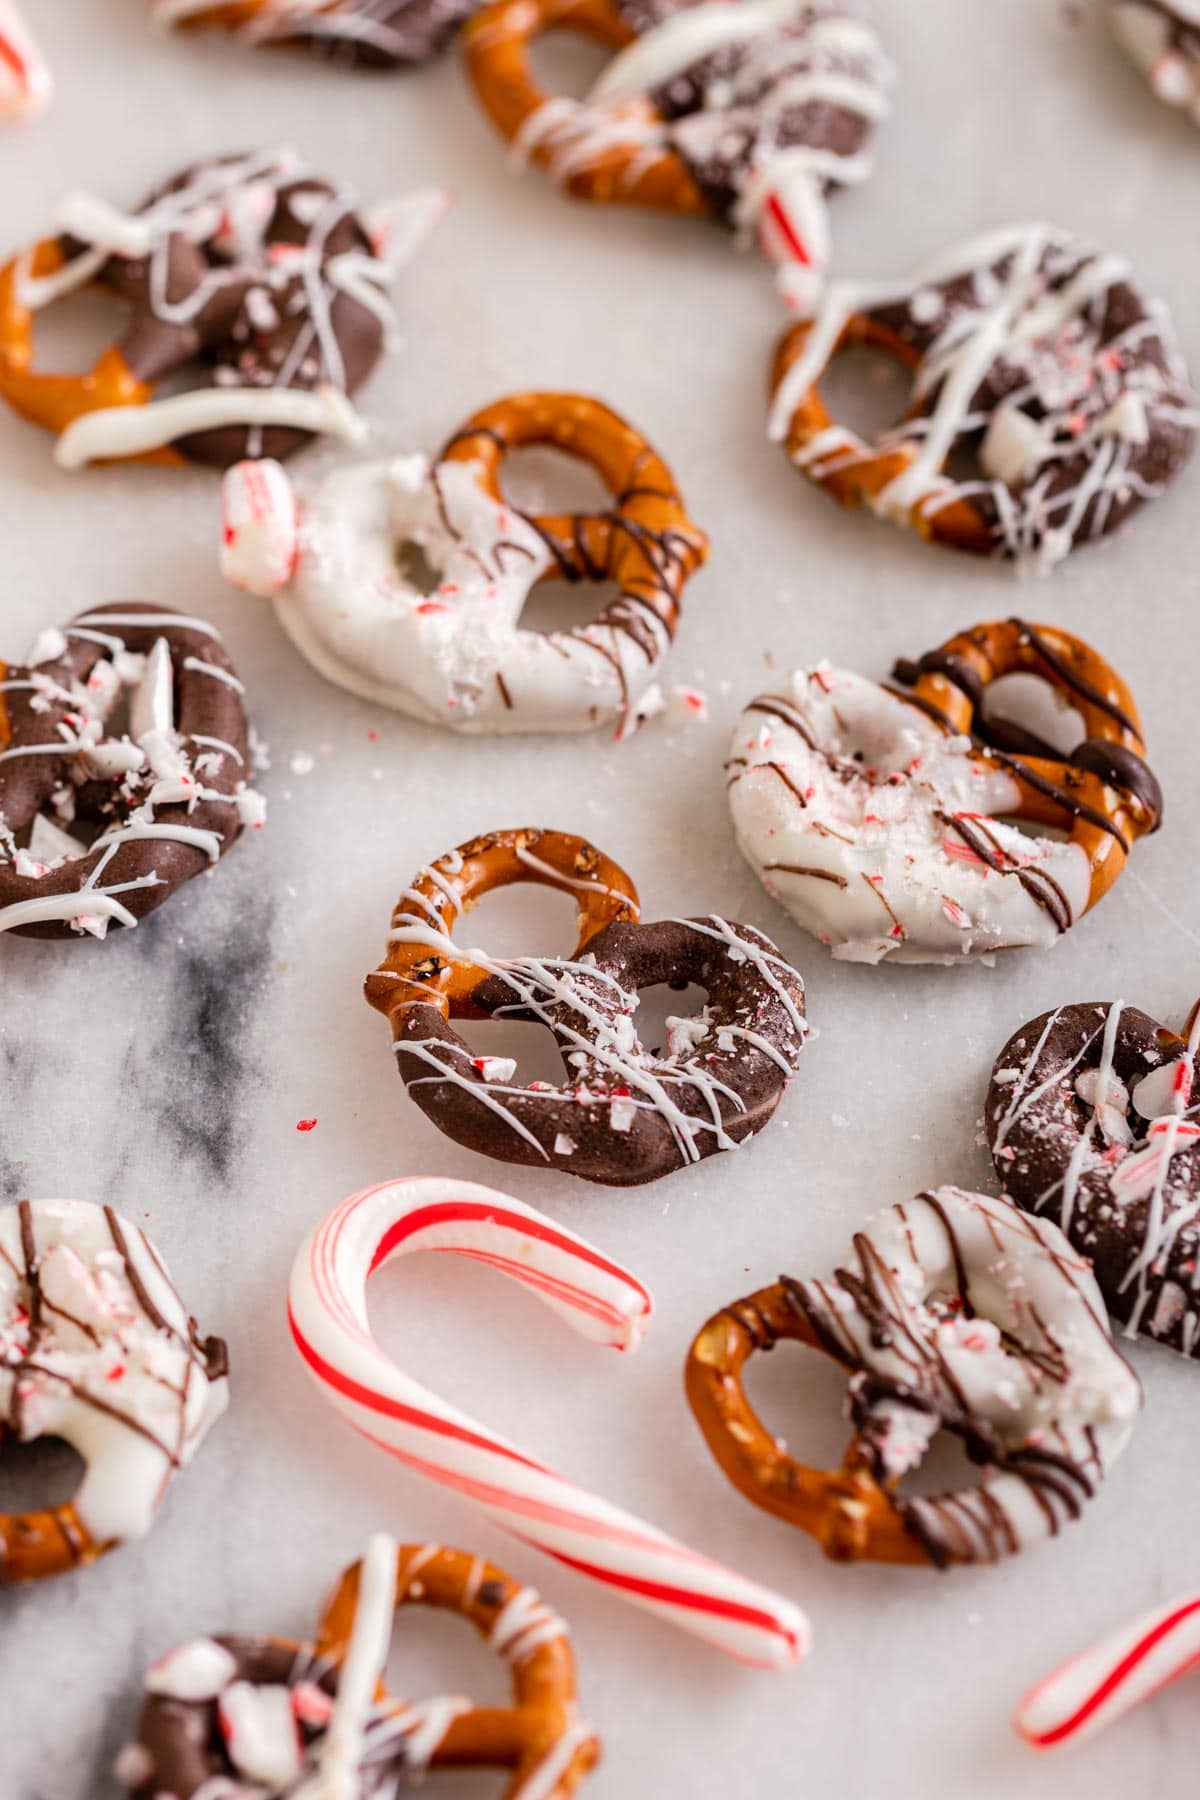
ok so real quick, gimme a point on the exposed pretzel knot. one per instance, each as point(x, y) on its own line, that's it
point(1033, 355)
point(625, 1114)
point(97, 1349)
point(130, 725)
point(887, 823)
point(290, 1719)
point(260, 279)
point(380, 34)
point(960, 1313)
point(455, 654)
point(748, 112)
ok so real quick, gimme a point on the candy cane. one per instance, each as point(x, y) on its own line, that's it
point(25, 82)
point(328, 1319)
point(1111, 1677)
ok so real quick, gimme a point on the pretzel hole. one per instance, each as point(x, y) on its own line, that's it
point(661, 1002)
point(1029, 702)
point(867, 391)
point(438, 1652)
point(567, 64)
point(801, 1399)
point(415, 568)
point(74, 332)
point(39, 1475)
point(536, 478)
point(557, 605)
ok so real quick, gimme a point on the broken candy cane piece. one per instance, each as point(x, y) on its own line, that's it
point(259, 540)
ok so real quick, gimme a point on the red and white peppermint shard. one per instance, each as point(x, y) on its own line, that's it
point(328, 1318)
point(25, 81)
point(1115, 1675)
point(259, 527)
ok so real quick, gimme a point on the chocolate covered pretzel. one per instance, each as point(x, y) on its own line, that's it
point(371, 34)
point(889, 822)
point(956, 1312)
point(625, 1114)
point(125, 769)
point(746, 111)
point(232, 1717)
point(254, 277)
point(1039, 360)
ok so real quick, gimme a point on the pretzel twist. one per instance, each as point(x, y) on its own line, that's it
point(413, 975)
point(647, 543)
point(1104, 793)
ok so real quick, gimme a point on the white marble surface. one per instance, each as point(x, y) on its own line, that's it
point(165, 1070)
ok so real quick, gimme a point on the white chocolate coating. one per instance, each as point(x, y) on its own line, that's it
point(97, 1348)
point(987, 1318)
point(456, 656)
point(850, 804)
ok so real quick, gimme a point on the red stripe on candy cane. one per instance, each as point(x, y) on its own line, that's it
point(1068, 1703)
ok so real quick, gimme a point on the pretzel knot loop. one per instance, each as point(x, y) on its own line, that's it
point(958, 1312)
point(452, 651)
point(291, 1715)
point(625, 1114)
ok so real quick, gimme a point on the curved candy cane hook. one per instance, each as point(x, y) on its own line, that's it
point(328, 1318)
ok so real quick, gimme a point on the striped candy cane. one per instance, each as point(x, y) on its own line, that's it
point(25, 83)
point(1112, 1677)
point(328, 1319)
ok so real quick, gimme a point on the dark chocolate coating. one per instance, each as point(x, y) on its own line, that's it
point(205, 706)
point(258, 319)
point(618, 963)
point(740, 80)
point(397, 34)
point(183, 1737)
point(1122, 319)
point(1033, 1150)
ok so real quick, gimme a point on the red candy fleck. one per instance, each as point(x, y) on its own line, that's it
point(306, 1124)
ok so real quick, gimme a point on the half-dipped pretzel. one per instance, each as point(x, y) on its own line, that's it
point(1092, 1118)
point(1033, 354)
point(958, 1313)
point(456, 654)
point(373, 34)
point(97, 1349)
point(887, 823)
point(1162, 40)
point(259, 279)
point(748, 111)
point(624, 1114)
point(269, 1716)
point(160, 794)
